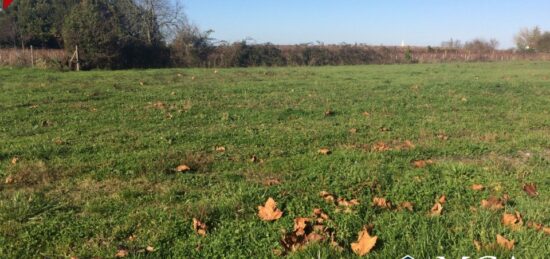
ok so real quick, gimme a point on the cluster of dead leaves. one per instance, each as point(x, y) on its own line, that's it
point(341, 202)
point(125, 252)
point(501, 241)
point(309, 230)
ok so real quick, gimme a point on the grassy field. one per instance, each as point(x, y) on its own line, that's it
point(87, 160)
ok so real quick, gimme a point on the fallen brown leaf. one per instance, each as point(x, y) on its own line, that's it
point(514, 221)
point(505, 243)
point(422, 163)
point(381, 147)
point(381, 203)
point(406, 205)
point(407, 145)
point(493, 203)
point(183, 168)
point(271, 182)
point(477, 187)
point(121, 253)
point(9, 180)
point(327, 196)
point(269, 212)
point(477, 245)
point(254, 159)
point(442, 199)
point(539, 227)
point(531, 189)
point(199, 227)
point(324, 151)
point(442, 137)
point(436, 210)
point(345, 203)
point(365, 243)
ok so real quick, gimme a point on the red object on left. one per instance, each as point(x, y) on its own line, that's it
point(7, 3)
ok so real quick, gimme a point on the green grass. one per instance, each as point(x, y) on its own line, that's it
point(96, 158)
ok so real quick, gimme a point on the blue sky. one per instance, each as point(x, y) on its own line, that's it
point(417, 22)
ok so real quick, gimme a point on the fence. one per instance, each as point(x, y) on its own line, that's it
point(32, 57)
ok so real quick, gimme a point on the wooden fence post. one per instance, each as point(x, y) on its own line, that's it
point(32, 57)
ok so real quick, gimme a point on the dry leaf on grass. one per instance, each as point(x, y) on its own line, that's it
point(121, 253)
point(254, 159)
point(269, 212)
point(183, 168)
point(308, 230)
point(327, 196)
point(345, 203)
point(381, 203)
point(477, 187)
point(406, 206)
point(407, 145)
point(324, 151)
point(271, 182)
point(531, 189)
point(539, 227)
point(422, 163)
point(442, 137)
point(505, 243)
point(329, 113)
point(493, 203)
point(442, 199)
point(477, 245)
point(199, 227)
point(9, 180)
point(514, 221)
point(436, 210)
point(365, 243)
point(381, 147)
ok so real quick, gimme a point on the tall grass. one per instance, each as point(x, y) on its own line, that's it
point(23, 57)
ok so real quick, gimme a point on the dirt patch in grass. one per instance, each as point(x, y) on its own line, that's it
point(32, 173)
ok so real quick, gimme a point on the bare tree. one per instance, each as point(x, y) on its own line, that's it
point(165, 16)
point(527, 39)
point(452, 44)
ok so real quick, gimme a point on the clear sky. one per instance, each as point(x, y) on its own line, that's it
point(388, 22)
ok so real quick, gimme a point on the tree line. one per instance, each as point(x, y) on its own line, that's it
point(117, 34)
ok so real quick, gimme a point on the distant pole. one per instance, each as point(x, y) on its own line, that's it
point(77, 59)
point(32, 56)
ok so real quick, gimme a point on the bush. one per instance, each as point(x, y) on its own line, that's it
point(93, 27)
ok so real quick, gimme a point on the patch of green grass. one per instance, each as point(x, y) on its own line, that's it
point(97, 152)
